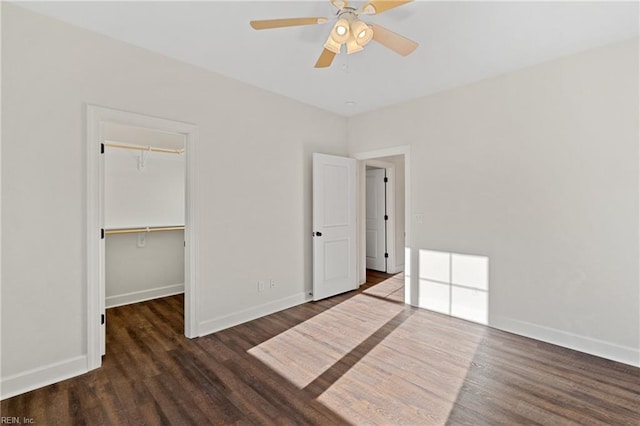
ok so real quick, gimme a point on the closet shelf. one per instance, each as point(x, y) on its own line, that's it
point(147, 229)
point(142, 148)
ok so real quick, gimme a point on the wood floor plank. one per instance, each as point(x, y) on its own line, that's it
point(362, 357)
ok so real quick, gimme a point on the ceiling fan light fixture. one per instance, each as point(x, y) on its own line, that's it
point(363, 32)
point(340, 31)
point(353, 46)
point(332, 46)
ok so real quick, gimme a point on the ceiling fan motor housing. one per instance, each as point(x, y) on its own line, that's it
point(349, 29)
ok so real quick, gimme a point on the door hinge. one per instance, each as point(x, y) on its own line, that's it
point(102, 234)
point(386, 217)
point(386, 179)
point(101, 148)
point(386, 255)
point(102, 319)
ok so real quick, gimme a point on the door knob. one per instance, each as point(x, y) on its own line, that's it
point(317, 234)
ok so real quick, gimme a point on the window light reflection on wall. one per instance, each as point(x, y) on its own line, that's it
point(454, 284)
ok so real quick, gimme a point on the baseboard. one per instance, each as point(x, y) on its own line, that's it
point(601, 348)
point(141, 296)
point(42, 376)
point(230, 320)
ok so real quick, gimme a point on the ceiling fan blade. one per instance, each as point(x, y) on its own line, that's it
point(375, 7)
point(287, 22)
point(399, 44)
point(325, 59)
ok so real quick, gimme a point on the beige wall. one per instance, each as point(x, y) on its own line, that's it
point(538, 170)
point(253, 170)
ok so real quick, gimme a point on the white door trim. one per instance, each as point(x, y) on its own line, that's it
point(370, 157)
point(96, 116)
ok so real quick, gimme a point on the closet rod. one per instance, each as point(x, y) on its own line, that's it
point(137, 230)
point(143, 148)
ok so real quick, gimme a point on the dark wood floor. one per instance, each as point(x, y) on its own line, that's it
point(359, 358)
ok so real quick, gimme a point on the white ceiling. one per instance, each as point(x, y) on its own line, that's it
point(460, 42)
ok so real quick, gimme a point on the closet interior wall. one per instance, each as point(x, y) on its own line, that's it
point(144, 214)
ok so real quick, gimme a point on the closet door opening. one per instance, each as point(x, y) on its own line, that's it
point(144, 214)
point(141, 228)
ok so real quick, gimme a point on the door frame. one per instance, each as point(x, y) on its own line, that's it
point(95, 250)
point(370, 157)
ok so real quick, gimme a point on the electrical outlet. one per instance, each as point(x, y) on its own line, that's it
point(272, 283)
point(260, 286)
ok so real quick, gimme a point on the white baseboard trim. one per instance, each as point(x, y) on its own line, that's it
point(42, 376)
point(589, 345)
point(230, 320)
point(141, 296)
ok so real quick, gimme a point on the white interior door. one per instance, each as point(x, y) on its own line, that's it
point(334, 225)
point(376, 224)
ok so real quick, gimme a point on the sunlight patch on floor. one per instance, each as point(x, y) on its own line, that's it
point(408, 390)
point(304, 352)
point(387, 289)
point(375, 361)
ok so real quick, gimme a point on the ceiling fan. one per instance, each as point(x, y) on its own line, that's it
point(349, 29)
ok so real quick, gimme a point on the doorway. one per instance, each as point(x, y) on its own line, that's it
point(99, 121)
point(144, 214)
point(395, 162)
